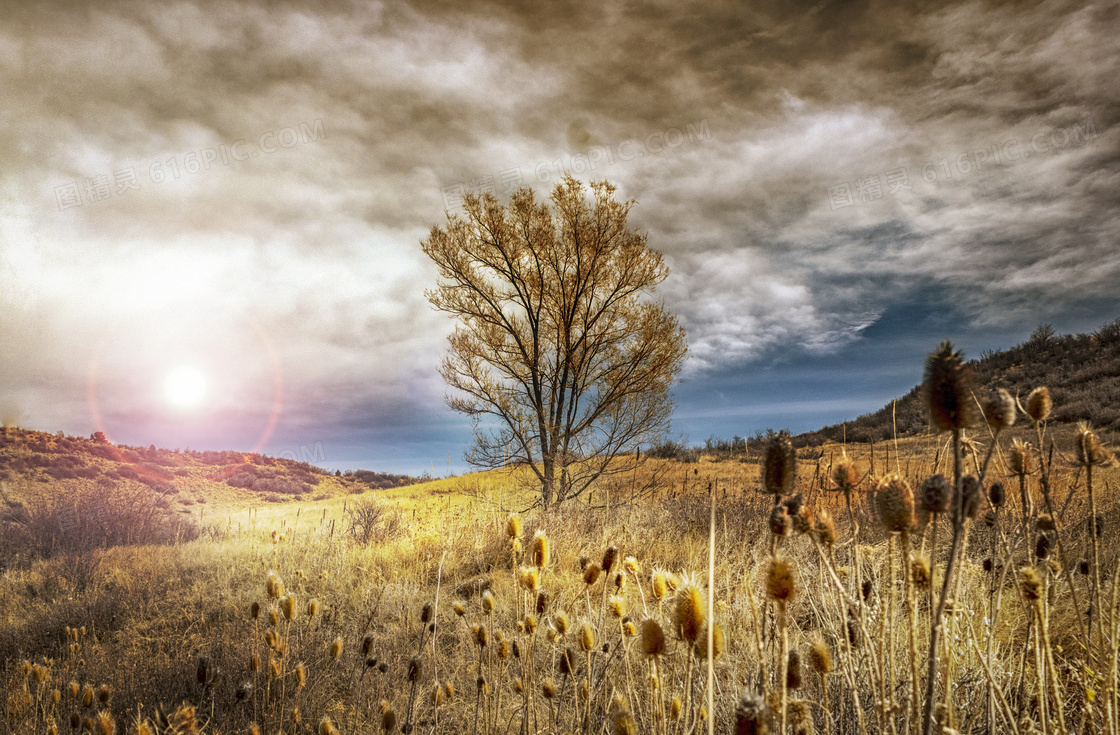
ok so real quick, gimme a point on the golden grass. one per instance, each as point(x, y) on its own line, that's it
point(353, 648)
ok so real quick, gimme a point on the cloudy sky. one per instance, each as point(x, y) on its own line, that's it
point(241, 188)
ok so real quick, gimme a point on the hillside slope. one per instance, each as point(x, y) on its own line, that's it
point(1082, 372)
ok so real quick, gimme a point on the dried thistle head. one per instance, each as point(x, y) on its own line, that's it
point(719, 643)
point(970, 496)
point(999, 410)
point(1088, 448)
point(562, 622)
point(779, 466)
point(936, 494)
point(653, 637)
point(825, 528)
point(388, 716)
point(947, 386)
point(1039, 404)
point(586, 636)
point(540, 549)
point(895, 501)
point(1020, 458)
point(844, 474)
point(513, 526)
point(753, 716)
point(781, 581)
point(820, 656)
point(1031, 582)
point(997, 495)
point(591, 574)
point(690, 612)
point(780, 522)
point(609, 558)
point(920, 572)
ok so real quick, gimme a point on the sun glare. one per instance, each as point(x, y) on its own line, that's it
point(185, 386)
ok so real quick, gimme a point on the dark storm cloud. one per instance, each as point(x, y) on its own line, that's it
point(317, 243)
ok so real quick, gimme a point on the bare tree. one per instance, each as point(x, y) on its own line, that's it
point(559, 357)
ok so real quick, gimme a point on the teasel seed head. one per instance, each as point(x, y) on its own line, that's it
point(388, 716)
point(653, 637)
point(719, 643)
point(780, 522)
point(630, 564)
point(1020, 460)
point(799, 716)
point(997, 495)
point(1031, 582)
point(530, 579)
point(540, 549)
point(752, 716)
point(104, 724)
point(1042, 547)
point(513, 526)
point(999, 411)
point(609, 558)
point(781, 581)
point(543, 599)
point(936, 494)
point(586, 636)
point(970, 494)
point(624, 723)
point(1089, 449)
point(825, 528)
point(690, 612)
point(948, 389)
point(591, 574)
point(820, 657)
point(274, 587)
point(920, 572)
point(844, 474)
point(562, 622)
point(1039, 404)
point(567, 661)
point(779, 466)
point(895, 501)
point(793, 669)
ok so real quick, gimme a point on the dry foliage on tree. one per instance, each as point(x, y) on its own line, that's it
point(558, 356)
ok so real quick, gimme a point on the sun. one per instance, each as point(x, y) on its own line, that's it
point(185, 386)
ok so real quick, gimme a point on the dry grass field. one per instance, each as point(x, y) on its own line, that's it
point(447, 607)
